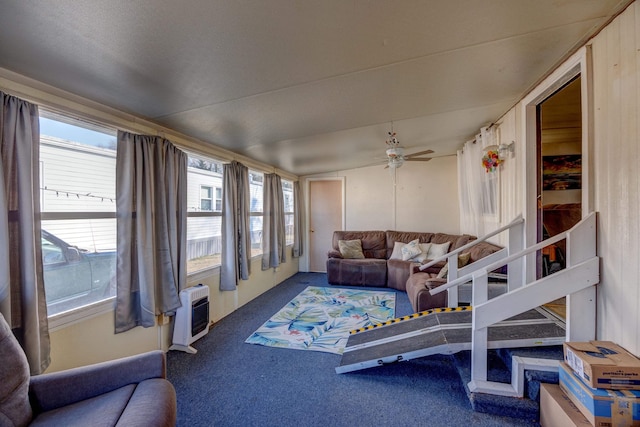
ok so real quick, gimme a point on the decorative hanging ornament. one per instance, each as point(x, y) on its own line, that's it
point(491, 160)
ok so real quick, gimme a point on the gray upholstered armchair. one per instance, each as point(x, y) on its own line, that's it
point(131, 391)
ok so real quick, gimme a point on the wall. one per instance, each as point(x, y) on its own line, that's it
point(423, 198)
point(92, 339)
point(616, 155)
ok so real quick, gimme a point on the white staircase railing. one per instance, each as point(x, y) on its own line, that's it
point(576, 282)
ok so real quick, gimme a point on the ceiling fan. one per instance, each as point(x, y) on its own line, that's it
point(396, 156)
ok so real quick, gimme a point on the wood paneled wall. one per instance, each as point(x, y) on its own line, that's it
point(616, 84)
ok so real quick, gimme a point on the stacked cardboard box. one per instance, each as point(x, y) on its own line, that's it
point(557, 410)
point(603, 381)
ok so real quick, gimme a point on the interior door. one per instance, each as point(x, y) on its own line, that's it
point(325, 217)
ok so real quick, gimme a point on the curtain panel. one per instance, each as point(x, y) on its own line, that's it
point(22, 293)
point(477, 187)
point(151, 192)
point(236, 235)
point(273, 231)
point(298, 221)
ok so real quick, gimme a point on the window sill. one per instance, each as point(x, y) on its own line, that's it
point(68, 318)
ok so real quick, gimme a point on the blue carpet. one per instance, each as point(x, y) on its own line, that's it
point(230, 383)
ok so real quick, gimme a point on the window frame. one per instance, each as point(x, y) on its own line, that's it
point(106, 305)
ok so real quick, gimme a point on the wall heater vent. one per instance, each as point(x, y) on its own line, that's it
point(192, 319)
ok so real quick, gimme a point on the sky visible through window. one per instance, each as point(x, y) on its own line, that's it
point(76, 133)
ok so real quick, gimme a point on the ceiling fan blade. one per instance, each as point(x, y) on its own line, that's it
point(419, 153)
point(419, 159)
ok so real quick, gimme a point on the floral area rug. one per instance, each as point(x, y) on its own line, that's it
point(320, 318)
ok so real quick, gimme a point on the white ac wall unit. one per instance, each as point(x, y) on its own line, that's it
point(192, 319)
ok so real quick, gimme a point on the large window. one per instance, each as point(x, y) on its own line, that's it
point(256, 180)
point(204, 218)
point(287, 192)
point(77, 196)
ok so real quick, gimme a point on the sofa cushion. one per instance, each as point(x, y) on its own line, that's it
point(153, 404)
point(351, 249)
point(373, 242)
point(15, 408)
point(357, 272)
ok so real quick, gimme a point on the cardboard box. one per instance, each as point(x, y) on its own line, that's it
point(603, 364)
point(556, 409)
point(603, 408)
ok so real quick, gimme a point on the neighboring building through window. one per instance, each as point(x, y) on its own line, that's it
point(287, 193)
point(77, 194)
point(204, 217)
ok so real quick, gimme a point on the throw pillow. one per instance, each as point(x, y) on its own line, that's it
point(397, 250)
point(411, 249)
point(463, 259)
point(438, 249)
point(350, 249)
point(424, 248)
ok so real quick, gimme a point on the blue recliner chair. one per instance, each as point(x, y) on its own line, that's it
point(132, 391)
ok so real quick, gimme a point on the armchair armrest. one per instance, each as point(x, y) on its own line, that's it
point(89, 381)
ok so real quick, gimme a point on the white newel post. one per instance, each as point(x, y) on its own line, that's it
point(515, 269)
point(581, 305)
point(479, 336)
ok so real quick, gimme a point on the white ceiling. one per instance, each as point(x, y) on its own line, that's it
point(305, 86)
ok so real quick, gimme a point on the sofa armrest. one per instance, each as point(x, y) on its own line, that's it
point(334, 254)
point(46, 390)
point(435, 282)
point(414, 267)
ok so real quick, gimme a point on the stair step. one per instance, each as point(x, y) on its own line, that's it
point(499, 370)
point(534, 378)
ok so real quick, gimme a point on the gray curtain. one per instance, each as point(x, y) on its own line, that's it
point(151, 191)
point(298, 221)
point(273, 232)
point(236, 234)
point(22, 295)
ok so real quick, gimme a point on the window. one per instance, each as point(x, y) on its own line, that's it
point(287, 192)
point(207, 202)
point(206, 198)
point(77, 193)
point(256, 180)
point(204, 218)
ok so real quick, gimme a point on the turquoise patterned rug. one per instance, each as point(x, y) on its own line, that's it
point(320, 318)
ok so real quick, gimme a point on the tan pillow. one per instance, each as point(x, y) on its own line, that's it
point(463, 259)
point(350, 249)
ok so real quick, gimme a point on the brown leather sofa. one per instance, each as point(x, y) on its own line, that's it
point(376, 269)
point(420, 283)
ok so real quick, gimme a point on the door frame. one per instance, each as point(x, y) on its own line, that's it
point(581, 306)
point(578, 64)
point(304, 261)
